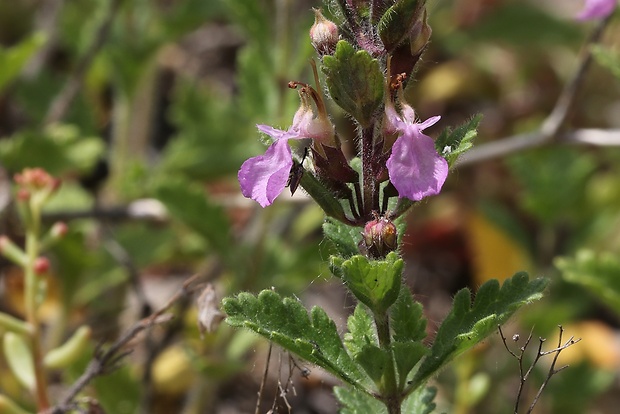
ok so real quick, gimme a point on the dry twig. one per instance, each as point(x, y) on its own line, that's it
point(106, 361)
point(523, 376)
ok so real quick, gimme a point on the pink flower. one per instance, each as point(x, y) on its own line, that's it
point(262, 178)
point(596, 9)
point(415, 168)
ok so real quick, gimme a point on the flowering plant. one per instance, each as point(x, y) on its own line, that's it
point(368, 61)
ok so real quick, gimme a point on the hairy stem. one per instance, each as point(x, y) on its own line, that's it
point(390, 395)
point(370, 185)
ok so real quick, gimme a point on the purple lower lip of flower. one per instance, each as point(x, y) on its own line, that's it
point(596, 9)
point(415, 168)
point(262, 178)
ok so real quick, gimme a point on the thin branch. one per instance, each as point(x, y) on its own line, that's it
point(549, 131)
point(62, 102)
point(263, 380)
point(105, 361)
point(539, 354)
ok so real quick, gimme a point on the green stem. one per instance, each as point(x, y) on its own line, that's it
point(30, 297)
point(390, 395)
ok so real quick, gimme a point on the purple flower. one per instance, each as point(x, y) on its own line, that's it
point(415, 168)
point(262, 178)
point(596, 9)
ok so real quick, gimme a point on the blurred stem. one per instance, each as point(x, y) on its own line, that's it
point(390, 395)
point(30, 298)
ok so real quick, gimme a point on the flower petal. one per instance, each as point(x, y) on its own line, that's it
point(262, 178)
point(596, 9)
point(415, 168)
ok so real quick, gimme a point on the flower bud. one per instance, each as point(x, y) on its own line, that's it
point(59, 230)
point(323, 34)
point(379, 237)
point(41, 265)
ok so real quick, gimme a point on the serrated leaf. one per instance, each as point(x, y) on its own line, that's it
point(467, 324)
point(345, 238)
point(375, 362)
point(406, 356)
point(375, 283)
point(286, 322)
point(452, 143)
point(355, 402)
point(19, 359)
point(407, 318)
point(355, 81)
point(361, 331)
point(396, 23)
point(420, 401)
point(600, 273)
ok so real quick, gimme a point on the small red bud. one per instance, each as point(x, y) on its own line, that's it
point(59, 230)
point(23, 195)
point(323, 34)
point(41, 265)
point(379, 237)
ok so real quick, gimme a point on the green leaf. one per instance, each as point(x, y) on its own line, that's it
point(60, 149)
point(286, 322)
point(397, 22)
point(420, 401)
point(188, 202)
point(607, 58)
point(600, 273)
point(345, 238)
point(19, 358)
point(467, 324)
point(375, 283)
point(355, 81)
point(452, 143)
point(13, 59)
point(407, 318)
point(355, 402)
point(375, 362)
point(323, 197)
point(361, 331)
point(406, 356)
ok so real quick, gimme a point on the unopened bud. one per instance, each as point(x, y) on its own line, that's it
point(41, 265)
point(323, 34)
point(59, 230)
point(379, 237)
point(23, 195)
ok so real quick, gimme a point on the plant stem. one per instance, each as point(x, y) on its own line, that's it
point(30, 298)
point(370, 185)
point(390, 394)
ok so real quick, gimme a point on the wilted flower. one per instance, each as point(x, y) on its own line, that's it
point(596, 9)
point(415, 168)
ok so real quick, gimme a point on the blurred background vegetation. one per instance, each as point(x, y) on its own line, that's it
point(147, 108)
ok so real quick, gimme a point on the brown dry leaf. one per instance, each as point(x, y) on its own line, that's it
point(209, 314)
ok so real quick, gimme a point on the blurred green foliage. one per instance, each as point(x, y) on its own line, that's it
point(513, 58)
